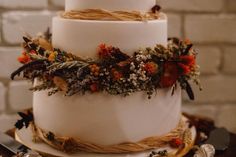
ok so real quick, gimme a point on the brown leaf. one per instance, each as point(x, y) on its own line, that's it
point(45, 44)
point(61, 83)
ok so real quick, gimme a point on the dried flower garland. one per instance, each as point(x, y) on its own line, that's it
point(113, 71)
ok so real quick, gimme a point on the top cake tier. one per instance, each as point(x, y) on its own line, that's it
point(113, 5)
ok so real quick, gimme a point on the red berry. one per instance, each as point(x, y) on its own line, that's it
point(94, 87)
point(176, 142)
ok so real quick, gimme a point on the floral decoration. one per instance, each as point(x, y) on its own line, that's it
point(112, 71)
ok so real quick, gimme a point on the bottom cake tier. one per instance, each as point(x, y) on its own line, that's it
point(107, 120)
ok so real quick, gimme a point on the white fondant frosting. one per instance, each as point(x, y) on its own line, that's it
point(82, 37)
point(113, 5)
point(105, 119)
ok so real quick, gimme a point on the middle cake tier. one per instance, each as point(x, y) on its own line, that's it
point(82, 37)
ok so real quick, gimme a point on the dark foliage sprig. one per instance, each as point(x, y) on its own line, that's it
point(25, 120)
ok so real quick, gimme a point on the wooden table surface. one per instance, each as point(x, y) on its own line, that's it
point(231, 152)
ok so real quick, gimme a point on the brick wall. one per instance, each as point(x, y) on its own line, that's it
point(209, 23)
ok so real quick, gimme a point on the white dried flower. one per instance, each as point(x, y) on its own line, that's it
point(132, 66)
point(205, 150)
point(133, 77)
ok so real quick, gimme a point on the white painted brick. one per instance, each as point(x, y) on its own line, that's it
point(20, 97)
point(209, 59)
point(227, 117)
point(2, 97)
point(231, 5)
point(8, 60)
point(216, 89)
point(211, 28)
point(58, 3)
point(0, 29)
point(15, 24)
point(205, 110)
point(229, 60)
point(7, 122)
point(16, 4)
point(174, 25)
point(192, 5)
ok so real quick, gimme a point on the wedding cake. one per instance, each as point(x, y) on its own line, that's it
point(101, 118)
point(136, 34)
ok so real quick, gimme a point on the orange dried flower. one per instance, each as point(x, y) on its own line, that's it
point(184, 69)
point(188, 60)
point(52, 56)
point(104, 51)
point(151, 68)
point(186, 63)
point(102, 46)
point(187, 41)
point(95, 69)
point(24, 58)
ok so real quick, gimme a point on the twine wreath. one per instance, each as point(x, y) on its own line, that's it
point(72, 145)
point(102, 14)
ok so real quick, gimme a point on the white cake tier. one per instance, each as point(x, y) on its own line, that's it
point(114, 5)
point(105, 119)
point(82, 37)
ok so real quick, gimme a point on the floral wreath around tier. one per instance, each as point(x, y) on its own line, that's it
point(113, 71)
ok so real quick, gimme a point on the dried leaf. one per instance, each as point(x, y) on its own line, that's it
point(189, 91)
point(188, 49)
point(25, 120)
point(30, 64)
point(45, 44)
point(61, 83)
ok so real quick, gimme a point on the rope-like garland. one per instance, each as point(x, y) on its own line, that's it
point(101, 14)
point(71, 145)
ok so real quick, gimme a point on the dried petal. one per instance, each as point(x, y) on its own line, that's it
point(61, 83)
